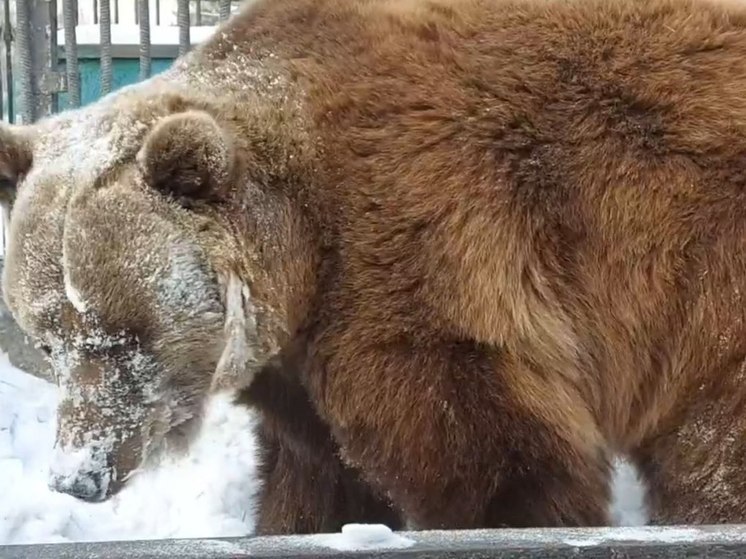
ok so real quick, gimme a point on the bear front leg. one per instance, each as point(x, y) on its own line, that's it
point(305, 487)
point(460, 435)
point(306, 493)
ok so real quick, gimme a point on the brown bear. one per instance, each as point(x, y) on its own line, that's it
point(457, 252)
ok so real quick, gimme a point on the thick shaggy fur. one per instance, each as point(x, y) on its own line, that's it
point(507, 235)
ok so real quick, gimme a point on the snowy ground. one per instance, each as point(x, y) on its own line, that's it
point(206, 494)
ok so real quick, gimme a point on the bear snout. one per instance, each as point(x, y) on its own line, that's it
point(84, 473)
point(87, 486)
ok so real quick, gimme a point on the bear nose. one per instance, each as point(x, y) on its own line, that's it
point(86, 486)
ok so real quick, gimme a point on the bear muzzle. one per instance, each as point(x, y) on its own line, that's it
point(84, 473)
point(88, 486)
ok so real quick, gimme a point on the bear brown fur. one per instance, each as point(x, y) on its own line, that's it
point(504, 239)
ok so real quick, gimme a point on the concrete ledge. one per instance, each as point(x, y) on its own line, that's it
point(21, 352)
point(644, 542)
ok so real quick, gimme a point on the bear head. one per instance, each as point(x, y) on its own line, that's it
point(121, 265)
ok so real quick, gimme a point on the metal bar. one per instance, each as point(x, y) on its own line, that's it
point(106, 64)
point(669, 542)
point(40, 33)
point(8, 41)
point(2, 99)
point(225, 9)
point(23, 47)
point(182, 16)
point(116, 11)
point(54, 52)
point(157, 12)
point(69, 12)
point(198, 13)
point(144, 15)
point(2, 112)
point(95, 12)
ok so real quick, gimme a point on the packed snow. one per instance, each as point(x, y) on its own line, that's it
point(362, 536)
point(207, 493)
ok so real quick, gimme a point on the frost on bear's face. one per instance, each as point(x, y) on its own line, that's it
point(113, 279)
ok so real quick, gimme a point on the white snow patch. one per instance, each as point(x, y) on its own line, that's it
point(356, 537)
point(208, 493)
point(627, 496)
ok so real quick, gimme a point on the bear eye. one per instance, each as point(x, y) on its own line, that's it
point(45, 349)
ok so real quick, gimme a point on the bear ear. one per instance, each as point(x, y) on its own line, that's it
point(187, 155)
point(15, 161)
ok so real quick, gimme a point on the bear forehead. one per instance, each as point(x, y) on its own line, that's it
point(60, 210)
point(69, 153)
point(86, 142)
